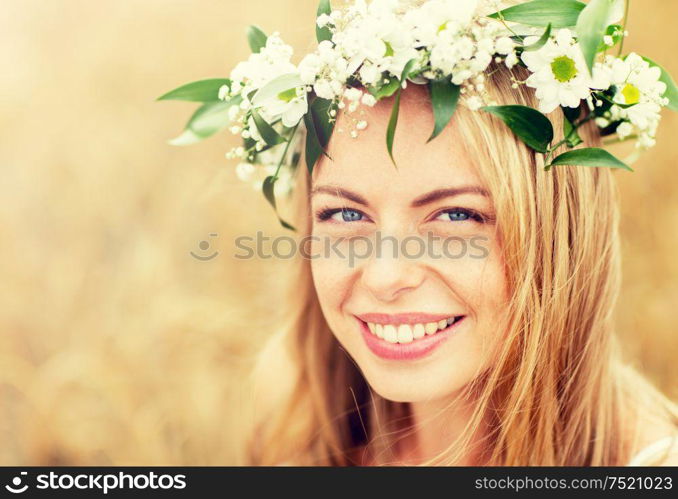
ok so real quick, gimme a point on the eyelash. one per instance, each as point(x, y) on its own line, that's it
point(326, 214)
point(472, 214)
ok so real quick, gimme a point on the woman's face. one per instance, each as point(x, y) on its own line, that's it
point(406, 261)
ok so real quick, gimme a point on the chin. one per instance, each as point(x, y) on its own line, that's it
point(425, 386)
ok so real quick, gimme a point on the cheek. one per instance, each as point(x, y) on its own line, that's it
point(332, 279)
point(479, 280)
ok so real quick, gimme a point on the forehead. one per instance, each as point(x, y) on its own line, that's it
point(364, 164)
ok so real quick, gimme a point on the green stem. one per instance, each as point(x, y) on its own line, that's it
point(626, 19)
point(287, 146)
point(619, 141)
point(585, 120)
point(551, 150)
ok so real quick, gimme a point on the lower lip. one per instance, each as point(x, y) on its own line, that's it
point(414, 350)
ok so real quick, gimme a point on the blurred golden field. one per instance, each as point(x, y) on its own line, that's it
point(117, 347)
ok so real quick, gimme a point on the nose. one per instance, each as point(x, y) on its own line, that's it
point(389, 276)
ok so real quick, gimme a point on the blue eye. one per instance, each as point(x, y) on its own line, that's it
point(341, 215)
point(349, 215)
point(458, 215)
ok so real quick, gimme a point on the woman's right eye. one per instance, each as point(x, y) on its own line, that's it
point(342, 215)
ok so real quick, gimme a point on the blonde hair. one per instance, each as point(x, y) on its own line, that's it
point(558, 393)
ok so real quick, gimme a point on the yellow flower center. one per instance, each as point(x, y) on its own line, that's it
point(631, 94)
point(564, 69)
point(442, 26)
point(389, 50)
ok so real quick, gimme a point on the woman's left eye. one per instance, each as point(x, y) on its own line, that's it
point(350, 215)
point(458, 215)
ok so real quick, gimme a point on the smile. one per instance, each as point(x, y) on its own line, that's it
point(406, 336)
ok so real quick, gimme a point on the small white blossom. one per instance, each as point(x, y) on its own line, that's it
point(505, 46)
point(353, 94)
point(245, 171)
point(323, 20)
point(369, 100)
point(474, 103)
point(624, 130)
point(223, 92)
point(511, 60)
point(309, 67)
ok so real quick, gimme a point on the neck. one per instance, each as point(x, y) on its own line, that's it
point(438, 424)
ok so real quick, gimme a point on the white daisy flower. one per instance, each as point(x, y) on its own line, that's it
point(559, 72)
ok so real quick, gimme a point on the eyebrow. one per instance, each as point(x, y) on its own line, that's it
point(428, 198)
point(448, 193)
point(339, 192)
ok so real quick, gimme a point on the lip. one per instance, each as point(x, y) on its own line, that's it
point(417, 349)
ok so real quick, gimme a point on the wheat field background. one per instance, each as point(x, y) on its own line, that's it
point(117, 347)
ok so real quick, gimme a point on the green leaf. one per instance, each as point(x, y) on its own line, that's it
point(209, 119)
point(671, 90)
point(593, 157)
point(319, 128)
point(541, 13)
point(198, 91)
point(269, 194)
point(323, 34)
point(571, 135)
point(616, 32)
point(444, 99)
point(571, 113)
point(256, 38)
point(529, 125)
point(320, 109)
point(407, 70)
point(267, 132)
point(541, 42)
point(591, 28)
point(387, 90)
point(570, 117)
point(392, 124)
point(313, 147)
point(277, 86)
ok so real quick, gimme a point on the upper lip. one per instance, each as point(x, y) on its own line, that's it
point(406, 318)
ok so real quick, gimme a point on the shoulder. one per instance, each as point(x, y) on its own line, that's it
point(656, 445)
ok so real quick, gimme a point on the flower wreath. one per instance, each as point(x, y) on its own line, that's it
point(573, 52)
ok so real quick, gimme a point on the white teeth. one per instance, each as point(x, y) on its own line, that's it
point(405, 334)
point(390, 333)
